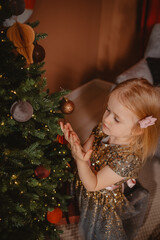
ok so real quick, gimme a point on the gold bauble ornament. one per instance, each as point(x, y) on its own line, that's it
point(67, 106)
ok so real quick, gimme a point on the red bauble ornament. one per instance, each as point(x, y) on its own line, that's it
point(42, 172)
point(38, 53)
point(54, 216)
point(67, 106)
point(61, 139)
point(21, 111)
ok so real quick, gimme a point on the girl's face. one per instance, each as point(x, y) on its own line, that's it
point(118, 121)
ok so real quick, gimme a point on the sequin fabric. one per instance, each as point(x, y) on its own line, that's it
point(102, 212)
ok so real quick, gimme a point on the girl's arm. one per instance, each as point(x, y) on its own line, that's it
point(91, 181)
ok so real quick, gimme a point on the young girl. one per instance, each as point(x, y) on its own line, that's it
point(113, 155)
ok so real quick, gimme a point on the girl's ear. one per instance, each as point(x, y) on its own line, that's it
point(136, 131)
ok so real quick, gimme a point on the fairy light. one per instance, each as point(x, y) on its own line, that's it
point(59, 204)
point(14, 176)
point(2, 123)
point(12, 91)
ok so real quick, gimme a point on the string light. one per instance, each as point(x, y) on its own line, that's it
point(14, 176)
point(13, 91)
point(2, 123)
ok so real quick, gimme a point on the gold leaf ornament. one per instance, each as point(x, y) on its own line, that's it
point(22, 36)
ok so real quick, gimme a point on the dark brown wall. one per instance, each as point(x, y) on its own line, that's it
point(86, 38)
point(71, 46)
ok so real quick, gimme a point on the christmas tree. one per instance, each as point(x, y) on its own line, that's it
point(34, 168)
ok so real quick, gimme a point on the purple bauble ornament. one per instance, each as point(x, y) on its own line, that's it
point(21, 111)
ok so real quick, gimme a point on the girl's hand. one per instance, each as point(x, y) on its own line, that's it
point(67, 130)
point(78, 152)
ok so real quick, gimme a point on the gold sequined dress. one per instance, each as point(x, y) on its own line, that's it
point(102, 212)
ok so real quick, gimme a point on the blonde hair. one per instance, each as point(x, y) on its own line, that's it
point(143, 99)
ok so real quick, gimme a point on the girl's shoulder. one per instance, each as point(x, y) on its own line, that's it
point(124, 162)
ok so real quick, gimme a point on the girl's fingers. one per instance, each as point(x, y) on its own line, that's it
point(62, 126)
point(69, 126)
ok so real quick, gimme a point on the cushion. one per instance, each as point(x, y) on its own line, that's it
point(153, 46)
point(154, 66)
point(139, 70)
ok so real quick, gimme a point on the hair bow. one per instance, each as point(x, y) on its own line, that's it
point(147, 121)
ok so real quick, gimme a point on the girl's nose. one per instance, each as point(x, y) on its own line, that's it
point(108, 119)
